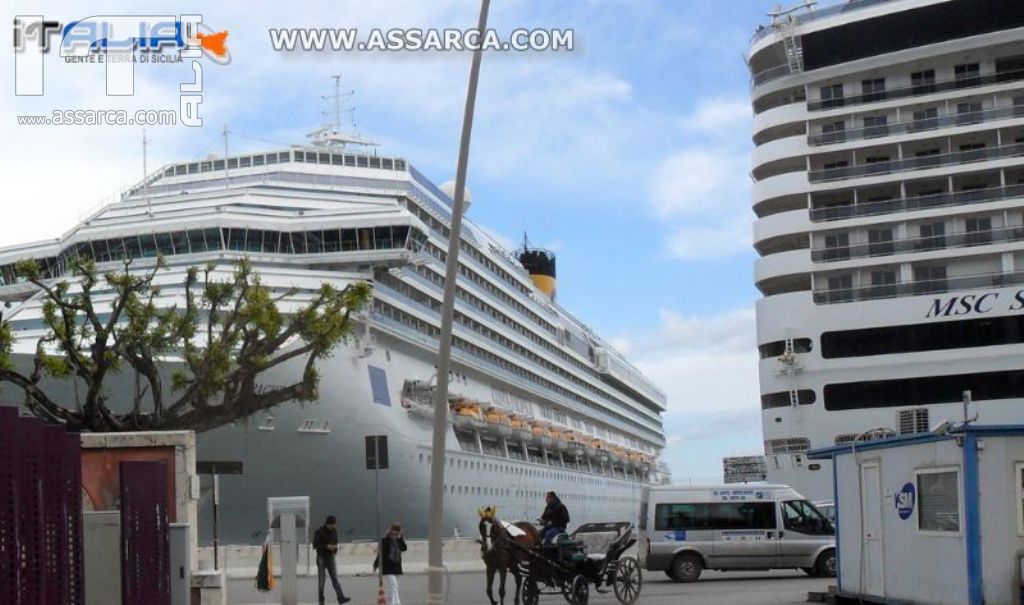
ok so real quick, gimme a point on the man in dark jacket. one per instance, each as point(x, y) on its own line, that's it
point(325, 543)
point(555, 518)
point(391, 547)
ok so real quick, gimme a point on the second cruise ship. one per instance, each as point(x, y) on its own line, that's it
point(889, 194)
point(538, 400)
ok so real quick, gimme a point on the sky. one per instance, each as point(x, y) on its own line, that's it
point(628, 157)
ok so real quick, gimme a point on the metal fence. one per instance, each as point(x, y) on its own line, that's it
point(40, 513)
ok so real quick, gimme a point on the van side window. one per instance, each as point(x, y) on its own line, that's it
point(714, 516)
point(800, 516)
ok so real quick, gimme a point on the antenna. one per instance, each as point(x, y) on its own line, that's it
point(332, 136)
point(145, 173)
point(337, 98)
point(224, 132)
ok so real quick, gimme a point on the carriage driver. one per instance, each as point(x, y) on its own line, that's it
point(555, 518)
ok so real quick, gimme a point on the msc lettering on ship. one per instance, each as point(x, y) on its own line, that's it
point(972, 304)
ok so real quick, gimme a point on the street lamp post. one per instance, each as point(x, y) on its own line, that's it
point(435, 586)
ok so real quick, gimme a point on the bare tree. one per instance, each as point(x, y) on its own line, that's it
point(220, 340)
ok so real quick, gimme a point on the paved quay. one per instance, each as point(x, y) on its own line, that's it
point(714, 588)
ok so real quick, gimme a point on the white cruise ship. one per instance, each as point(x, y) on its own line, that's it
point(539, 401)
point(889, 194)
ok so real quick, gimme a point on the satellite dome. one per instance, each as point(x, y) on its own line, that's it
point(448, 187)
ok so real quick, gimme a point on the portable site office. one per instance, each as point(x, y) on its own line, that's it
point(931, 518)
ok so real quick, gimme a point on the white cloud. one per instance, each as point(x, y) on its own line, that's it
point(701, 192)
point(711, 239)
point(707, 366)
point(720, 115)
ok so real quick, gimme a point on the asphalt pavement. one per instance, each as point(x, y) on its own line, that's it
point(714, 588)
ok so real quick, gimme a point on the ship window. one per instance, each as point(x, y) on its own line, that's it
point(314, 242)
point(218, 164)
point(196, 241)
point(271, 158)
point(350, 160)
point(967, 74)
point(163, 243)
point(366, 239)
point(284, 156)
point(300, 156)
point(382, 238)
point(348, 240)
point(362, 161)
point(116, 248)
point(148, 245)
point(332, 240)
point(257, 160)
point(213, 239)
point(298, 242)
point(254, 240)
point(100, 252)
point(387, 164)
point(232, 162)
point(374, 162)
point(236, 239)
point(873, 89)
point(927, 390)
point(180, 242)
point(785, 398)
point(399, 164)
point(379, 385)
point(832, 95)
point(193, 168)
point(131, 247)
point(205, 166)
point(244, 161)
point(179, 169)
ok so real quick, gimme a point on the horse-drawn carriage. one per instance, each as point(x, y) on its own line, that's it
point(592, 555)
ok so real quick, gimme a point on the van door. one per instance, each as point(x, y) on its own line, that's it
point(805, 530)
point(744, 535)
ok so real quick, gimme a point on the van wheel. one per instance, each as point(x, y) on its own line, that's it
point(687, 567)
point(826, 565)
point(811, 571)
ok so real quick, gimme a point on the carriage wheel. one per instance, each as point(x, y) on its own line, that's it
point(580, 591)
point(531, 592)
point(627, 580)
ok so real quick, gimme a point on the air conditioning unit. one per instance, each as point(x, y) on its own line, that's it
point(914, 420)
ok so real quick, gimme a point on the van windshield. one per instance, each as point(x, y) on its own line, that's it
point(714, 515)
point(801, 516)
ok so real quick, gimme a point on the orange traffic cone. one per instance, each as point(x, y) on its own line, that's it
point(380, 595)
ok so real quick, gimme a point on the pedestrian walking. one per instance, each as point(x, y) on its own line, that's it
point(325, 543)
point(390, 552)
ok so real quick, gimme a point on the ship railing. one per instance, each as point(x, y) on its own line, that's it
point(958, 198)
point(918, 287)
point(914, 90)
point(917, 163)
point(919, 244)
point(881, 130)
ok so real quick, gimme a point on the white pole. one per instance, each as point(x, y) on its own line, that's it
point(145, 173)
point(289, 581)
point(435, 565)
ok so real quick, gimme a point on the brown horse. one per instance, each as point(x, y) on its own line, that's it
point(499, 557)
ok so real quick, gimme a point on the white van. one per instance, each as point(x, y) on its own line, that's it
point(684, 530)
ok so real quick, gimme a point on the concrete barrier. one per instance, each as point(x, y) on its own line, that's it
point(354, 558)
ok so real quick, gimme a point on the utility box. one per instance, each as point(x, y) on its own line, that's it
point(101, 540)
point(181, 564)
point(933, 518)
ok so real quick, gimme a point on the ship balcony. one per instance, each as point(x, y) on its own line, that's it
point(969, 118)
point(780, 185)
point(783, 224)
point(918, 244)
point(793, 116)
point(792, 262)
point(781, 155)
point(918, 287)
point(907, 204)
point(920, 89)
point(870, 169)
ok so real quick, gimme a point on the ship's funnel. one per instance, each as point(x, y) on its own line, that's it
point(540, 264)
